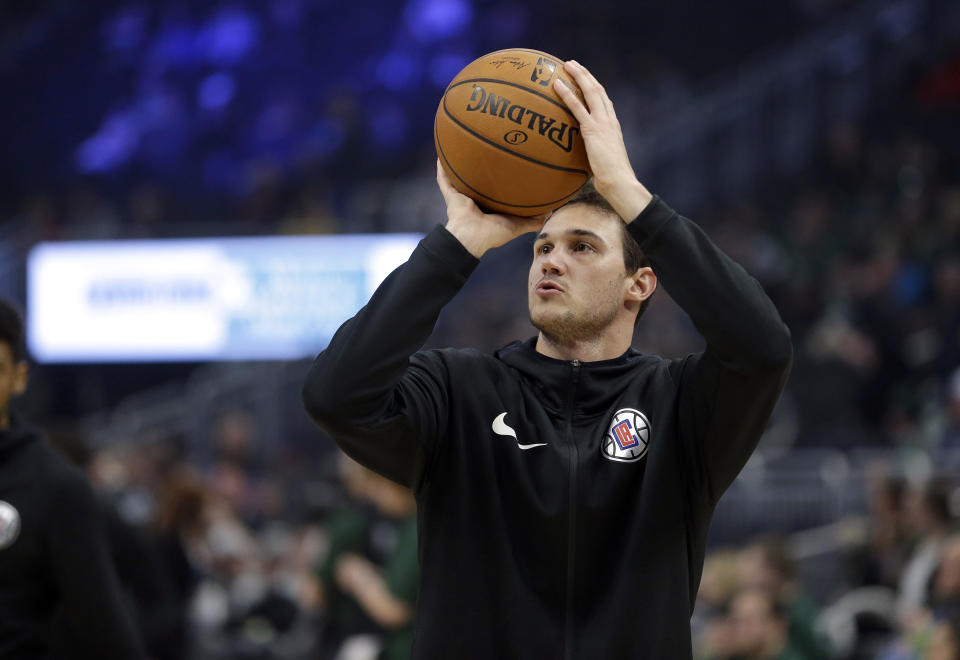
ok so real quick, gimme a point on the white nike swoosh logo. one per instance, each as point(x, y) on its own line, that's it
point(500, 428)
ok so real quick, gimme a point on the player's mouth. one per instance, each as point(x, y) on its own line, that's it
point(548, 288)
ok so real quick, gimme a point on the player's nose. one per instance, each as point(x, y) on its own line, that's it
point(552, 264)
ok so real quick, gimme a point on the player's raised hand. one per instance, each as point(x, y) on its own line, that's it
point(476, 230)
point(613, 175)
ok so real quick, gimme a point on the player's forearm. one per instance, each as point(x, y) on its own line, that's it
point(727, 305)
point(368, 355)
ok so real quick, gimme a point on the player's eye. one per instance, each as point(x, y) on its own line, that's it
point(544, 248)
point(583, 247)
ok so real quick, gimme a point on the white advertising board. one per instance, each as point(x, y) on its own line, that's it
point(201, 299)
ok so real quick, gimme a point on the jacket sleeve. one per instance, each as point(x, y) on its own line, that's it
point(727, 392)
point(94, 620)
point(385, 406)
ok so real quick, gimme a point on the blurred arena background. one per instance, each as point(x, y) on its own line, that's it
point(817, 141)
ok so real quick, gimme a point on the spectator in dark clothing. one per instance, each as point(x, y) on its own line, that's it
point(59, 592)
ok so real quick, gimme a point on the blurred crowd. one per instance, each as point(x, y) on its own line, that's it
point(861, 257)
point(219, 554)
point(897, 597)
point(863, 262)
point(217, 561)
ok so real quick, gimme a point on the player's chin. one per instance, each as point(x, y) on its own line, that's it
point(544, 314)
point(538, 307)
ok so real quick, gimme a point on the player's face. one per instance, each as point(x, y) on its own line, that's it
point(578, 283)
point(13, 380)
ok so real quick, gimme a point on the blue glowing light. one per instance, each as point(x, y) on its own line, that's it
point(216, 91)
point(430, 20)
point(159, 106)
point(175, 46)
point(230, 36)
point(109, 147)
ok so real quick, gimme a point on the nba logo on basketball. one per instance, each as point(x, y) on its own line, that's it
point(626, 441)
point(543, 71)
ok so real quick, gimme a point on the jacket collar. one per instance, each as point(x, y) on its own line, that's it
point(590, 387)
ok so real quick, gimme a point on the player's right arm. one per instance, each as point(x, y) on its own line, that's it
point(384, 403)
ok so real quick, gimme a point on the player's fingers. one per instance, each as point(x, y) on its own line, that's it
point(577, 109)
point(593, 91)
point(526, 224)
point(444, 182)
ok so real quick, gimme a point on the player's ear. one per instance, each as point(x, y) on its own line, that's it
point(642, 284)
point(20, 377)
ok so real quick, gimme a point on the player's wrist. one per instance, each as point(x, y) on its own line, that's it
point(469, 237)
point(627, 196)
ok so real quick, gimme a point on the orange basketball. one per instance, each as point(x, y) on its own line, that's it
point(504, 136)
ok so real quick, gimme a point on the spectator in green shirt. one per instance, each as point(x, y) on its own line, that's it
point(387, 594)
point(348, 532)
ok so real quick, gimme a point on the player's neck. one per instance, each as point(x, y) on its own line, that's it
point(605, 347)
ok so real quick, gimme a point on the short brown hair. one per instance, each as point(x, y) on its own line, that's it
point(633, 256)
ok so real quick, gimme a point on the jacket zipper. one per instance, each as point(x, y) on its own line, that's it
point(572, 525)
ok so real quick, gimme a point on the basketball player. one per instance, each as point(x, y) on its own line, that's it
point(565, 483)
point(59, 594)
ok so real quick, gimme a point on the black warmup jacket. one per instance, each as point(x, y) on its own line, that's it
point(59, 595)
point(583, 536)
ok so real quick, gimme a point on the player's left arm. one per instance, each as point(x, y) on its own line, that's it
point(728, 391)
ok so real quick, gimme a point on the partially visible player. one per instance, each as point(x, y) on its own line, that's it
point(564, 484)
point(59, 593)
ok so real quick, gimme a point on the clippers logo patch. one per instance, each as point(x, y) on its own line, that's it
point(9, 525)
point(626, 441)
